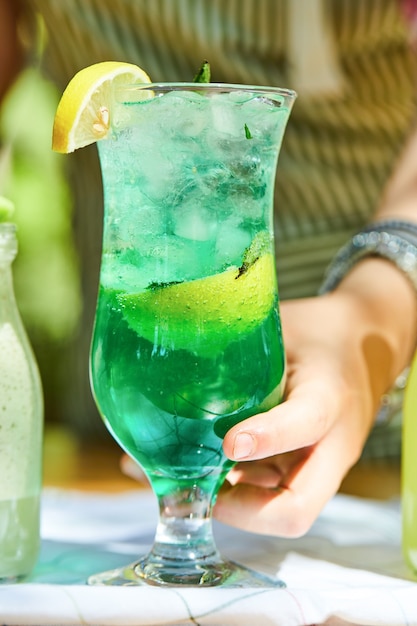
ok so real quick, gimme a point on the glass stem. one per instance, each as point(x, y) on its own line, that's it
point(184, 531)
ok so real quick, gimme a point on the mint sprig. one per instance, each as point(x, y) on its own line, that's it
point(248, 134)
point(204, 73)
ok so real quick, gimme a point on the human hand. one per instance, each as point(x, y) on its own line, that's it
point(344, 350)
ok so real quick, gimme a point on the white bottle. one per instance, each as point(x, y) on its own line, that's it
point(21, 429)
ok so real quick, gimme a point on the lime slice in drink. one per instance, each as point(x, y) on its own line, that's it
point(206, 314)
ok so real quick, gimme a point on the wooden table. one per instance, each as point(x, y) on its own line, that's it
point(72, 464)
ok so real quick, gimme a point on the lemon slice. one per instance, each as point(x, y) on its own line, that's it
point(84, 112)
point(205, 314)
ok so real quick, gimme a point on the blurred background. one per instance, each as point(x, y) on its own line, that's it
point(45, 271)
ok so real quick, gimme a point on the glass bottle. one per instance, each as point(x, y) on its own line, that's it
point(21, 429)
point(409, 470)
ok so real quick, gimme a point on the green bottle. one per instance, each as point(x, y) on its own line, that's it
point(21, 429)
point(409, 470)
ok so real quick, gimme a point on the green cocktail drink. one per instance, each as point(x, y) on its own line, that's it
point(187, 339)
point(169, 404)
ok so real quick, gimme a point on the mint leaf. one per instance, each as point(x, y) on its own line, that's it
point(203, 74)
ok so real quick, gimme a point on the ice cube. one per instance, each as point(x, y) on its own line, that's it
point(224, 119)
point(231, 243)
point(192, 221)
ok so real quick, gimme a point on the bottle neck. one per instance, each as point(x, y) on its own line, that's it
point(8, 251)
point(6, 279)
point(8, 243)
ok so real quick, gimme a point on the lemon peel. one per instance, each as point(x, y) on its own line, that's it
point(83, 115)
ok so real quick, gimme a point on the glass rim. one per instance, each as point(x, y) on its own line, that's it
point(219, 87)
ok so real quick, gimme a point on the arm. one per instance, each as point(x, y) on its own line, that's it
point(344, 350)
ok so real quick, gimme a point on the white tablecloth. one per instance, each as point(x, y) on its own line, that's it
point(347, 570)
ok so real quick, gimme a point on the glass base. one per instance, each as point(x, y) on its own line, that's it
point(225, 574)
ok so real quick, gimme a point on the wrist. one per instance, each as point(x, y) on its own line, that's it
point(385, 305)
point(379, 263)
point(394, 240)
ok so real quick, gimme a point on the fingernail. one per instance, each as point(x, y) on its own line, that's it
point(244, 445)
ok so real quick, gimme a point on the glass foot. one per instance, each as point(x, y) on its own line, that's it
point(225, 574)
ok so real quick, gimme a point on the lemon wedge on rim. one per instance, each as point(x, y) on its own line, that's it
point(83, 115)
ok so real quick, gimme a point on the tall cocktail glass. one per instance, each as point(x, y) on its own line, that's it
point(187, 339)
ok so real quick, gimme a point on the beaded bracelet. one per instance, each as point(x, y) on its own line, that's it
point(394, 240)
